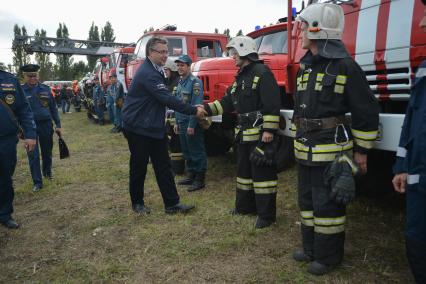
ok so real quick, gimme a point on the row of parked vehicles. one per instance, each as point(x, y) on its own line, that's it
point(383, 36)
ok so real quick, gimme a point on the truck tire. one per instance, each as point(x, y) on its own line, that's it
point(285, 153)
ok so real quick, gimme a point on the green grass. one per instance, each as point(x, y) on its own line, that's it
point(80, 227)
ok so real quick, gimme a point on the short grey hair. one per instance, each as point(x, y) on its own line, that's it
point(152, 42)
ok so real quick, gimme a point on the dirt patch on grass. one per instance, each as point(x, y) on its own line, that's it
point(80, 227)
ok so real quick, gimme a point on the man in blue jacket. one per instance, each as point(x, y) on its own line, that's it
point(98, 100)
point(410, 171)
point(191, 135)
point(44, 108)
point(144, 127)
point(14, 111)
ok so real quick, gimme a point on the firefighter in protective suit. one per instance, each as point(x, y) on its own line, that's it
point(329, 85)
point(255, 96)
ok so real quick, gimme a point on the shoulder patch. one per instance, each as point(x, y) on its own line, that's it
point(196, 88)
point(9, 99)
point(161, 86)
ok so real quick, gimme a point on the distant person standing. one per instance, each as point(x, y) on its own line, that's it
point(144, 127)
point(44, 108)
point(116, 91)
point(14, 109)
point(63, 95)
point(191, 135)
point(98, 100)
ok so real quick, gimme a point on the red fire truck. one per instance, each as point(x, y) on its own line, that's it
point(383, 36)
point(197, 45)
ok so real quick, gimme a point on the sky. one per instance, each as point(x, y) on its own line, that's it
point(131, 18)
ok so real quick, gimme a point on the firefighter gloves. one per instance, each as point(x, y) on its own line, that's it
point(264, 154)
point(339, 176)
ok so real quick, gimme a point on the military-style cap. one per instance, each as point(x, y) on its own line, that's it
point(184, 59)
point(30, 68)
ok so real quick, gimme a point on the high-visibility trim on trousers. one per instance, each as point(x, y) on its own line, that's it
point(329, 225)
point(307, 218)
point(265, 187)
point(244, 183)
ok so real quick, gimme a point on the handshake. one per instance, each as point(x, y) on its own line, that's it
point(201, 112)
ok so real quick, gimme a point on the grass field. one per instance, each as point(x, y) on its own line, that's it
point(80, 227)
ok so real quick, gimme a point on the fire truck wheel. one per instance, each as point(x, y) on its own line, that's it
point(285, 153)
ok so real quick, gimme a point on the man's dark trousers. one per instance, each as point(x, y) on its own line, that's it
point(45, 139)
point(141, 149)
point(7, 167)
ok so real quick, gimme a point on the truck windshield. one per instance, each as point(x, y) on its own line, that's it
point(272, 43)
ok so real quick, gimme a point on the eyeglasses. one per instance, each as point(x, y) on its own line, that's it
point(162, 52)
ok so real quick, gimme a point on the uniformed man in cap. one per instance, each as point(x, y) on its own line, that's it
point(191, 135)
point(14, 111)
point(44, 108)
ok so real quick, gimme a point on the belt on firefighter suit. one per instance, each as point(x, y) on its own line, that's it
point(307, 124)
point(248, 126)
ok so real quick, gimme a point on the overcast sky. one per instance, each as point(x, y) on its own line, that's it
point(131, 18)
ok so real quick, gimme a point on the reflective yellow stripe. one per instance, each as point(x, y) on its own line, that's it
point(268, 190)
point(251, 131)
point(176, 156)
point(339, 89)
point(305, 77)
point(260, 150)
point(307, 214)
point(330, 221)
point(308, 222)
point(299, 146)
point(271, 125)
point(318, 86)
point(216, 108)
point(329, 230)
point(251, 134)
point(364, 144)
point(244, 180)
point(271, 118)
point(244, 183)
point(324, 157)
point(365, 135)
point(299, 80)
point(300, 155)
point(327, 148)
point(341, 79)
point(302, 87)
point(255, 81)
point(319, 77)
point(244, 186)
point(269, 183)
point(351, 163)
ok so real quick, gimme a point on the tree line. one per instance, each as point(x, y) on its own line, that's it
point(64, 68)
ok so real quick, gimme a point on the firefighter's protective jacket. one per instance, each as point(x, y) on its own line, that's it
point(411, 156)
point(327, 89)
point(254, 90)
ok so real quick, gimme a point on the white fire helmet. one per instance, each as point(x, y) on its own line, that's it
point(325, 21)
point(244, 45)
point(170, 64)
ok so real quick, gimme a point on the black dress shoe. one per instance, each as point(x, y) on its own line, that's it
point(141, 209)
point(263, 223)
point(49, 176)
point(319, 269)
point(10, 224)
point(301, 256)
point(179, 208)
point(37, 188)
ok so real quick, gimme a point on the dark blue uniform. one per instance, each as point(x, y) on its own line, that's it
point(44, 108)
point(99, 101)
point(190, 90)
point(144, 127)
point(411, 159)
point(11, 94)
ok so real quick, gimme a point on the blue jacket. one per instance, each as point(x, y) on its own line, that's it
point(144, 109)
point(12, 94)
point(98, 94)
point(115, 91)
point(411, 154)
point(189, 90)
point(42, 103)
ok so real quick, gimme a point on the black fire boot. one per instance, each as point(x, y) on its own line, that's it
point(188, 180)
point(198, 182)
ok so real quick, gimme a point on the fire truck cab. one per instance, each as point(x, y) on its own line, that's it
point(383, 36)
point(197, 45)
